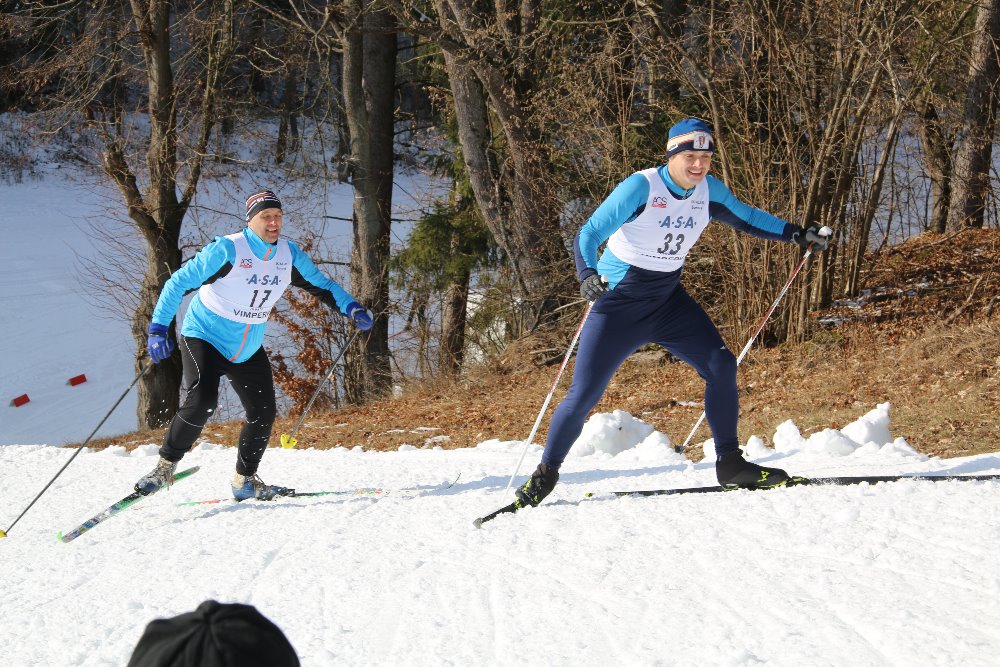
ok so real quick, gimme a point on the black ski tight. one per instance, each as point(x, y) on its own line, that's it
point(204, 367)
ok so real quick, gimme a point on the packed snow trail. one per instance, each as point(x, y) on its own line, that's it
point(893, 574)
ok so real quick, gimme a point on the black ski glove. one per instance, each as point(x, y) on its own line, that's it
point(593, 286)
point(809, 237)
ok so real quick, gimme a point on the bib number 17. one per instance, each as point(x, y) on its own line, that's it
point(267, 295)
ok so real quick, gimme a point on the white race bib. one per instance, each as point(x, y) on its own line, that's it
point(660, 238)
point(250, 290)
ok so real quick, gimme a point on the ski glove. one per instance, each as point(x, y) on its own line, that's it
point(159, 343)
point(593, 286)
point(809, 237)
point(363, 319)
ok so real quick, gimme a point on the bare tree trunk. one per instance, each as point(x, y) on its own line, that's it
point(159, 390)
point(937, 161)
point(472, 117)
point(288, 123)
point(971, 181)
point(503, 47)
point(159, 213)
point(852, 280)
point(369, 97)
point(453, 317)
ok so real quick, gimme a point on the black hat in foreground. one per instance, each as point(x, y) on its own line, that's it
point(214, 635)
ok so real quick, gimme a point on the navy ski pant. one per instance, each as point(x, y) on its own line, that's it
point(253, 382)
point(622, 321)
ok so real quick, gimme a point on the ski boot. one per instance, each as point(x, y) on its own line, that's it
point(735, 472)
point(539, 485)
point(252, 486)
point(158, 478)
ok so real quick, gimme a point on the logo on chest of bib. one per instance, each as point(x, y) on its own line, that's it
point(246, 263)
point(679, 222)
point(263, 280)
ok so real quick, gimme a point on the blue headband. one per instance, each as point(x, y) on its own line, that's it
point(690, 134)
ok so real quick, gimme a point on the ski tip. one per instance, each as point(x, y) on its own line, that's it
point(478, 523)
point(3, 533)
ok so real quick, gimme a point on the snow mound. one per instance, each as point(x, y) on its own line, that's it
point(867, 436)
point(873, 427)
point(612, 434)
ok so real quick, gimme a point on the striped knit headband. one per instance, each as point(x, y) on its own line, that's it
point(260, 201)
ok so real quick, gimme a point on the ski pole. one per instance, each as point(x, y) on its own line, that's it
point(825, 231)
point(145, 368)
point(288, 440)
point(548, 398)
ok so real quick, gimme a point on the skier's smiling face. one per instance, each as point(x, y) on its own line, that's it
point(689, 168)
point(267, 224)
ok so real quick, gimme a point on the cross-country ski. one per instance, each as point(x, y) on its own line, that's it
point(123, 504)
point(793, 482)
point(359, 491)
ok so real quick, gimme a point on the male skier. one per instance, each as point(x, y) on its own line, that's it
point(650, 222)
point(239, 279)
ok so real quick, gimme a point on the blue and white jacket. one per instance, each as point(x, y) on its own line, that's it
point(236, 340)
point(629, 200)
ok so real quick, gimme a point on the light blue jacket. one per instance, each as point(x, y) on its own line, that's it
point(235, 340)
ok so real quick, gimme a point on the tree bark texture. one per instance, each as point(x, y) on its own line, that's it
point(971, 181)
point(369, 61)
point(159, 212)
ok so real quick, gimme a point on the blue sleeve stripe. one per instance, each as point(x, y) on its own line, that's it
point(613, 268)
point(726, 208)
point(304, 265)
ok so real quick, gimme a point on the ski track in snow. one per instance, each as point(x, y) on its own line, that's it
point(892, 574)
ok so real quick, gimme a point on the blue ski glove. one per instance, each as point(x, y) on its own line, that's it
point(810, 237)
point(363, 319)
point(593, 286)
point(159, 343)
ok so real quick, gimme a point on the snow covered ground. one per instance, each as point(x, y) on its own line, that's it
point(893, 574)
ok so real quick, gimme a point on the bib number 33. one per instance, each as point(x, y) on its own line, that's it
point(669, 239)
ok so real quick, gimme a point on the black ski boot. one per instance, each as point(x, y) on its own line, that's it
point(735, 472)
point(539, 485)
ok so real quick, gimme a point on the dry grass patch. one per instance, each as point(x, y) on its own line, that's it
point(927, 341)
